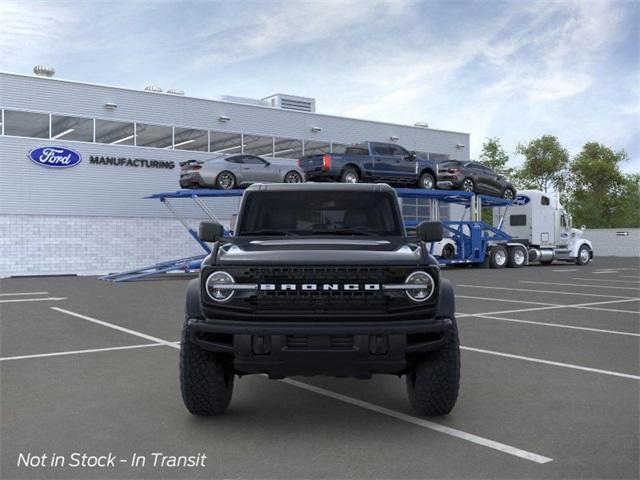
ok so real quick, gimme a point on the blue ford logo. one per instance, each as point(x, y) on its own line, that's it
point(521, 200)
point(55, 157)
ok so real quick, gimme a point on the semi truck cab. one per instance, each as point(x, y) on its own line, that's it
point(538, 221)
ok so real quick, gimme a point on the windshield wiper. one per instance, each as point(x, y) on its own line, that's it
point(267, 231)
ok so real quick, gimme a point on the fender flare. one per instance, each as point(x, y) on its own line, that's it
point(580, 243)
point(193, 308)
point(446, 300)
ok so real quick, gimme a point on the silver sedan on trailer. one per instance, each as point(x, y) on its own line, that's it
point(234, 171)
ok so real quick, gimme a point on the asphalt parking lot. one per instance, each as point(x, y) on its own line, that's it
point(550, 387)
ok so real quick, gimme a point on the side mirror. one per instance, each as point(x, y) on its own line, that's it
point(412, 155)
point(583, 228)
point(210, 231)
point(429, 231)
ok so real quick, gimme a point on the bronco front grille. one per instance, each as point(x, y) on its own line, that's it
point(322, 301)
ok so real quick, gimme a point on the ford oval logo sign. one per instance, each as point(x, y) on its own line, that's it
point(521, 200)
point(55, 157)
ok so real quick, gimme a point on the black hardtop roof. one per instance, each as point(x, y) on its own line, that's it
point(320, 187)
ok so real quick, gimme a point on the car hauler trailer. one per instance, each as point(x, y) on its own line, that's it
point(469, 241)
point(539, 221)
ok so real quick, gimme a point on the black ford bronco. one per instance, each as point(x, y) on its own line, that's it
point(320, 279)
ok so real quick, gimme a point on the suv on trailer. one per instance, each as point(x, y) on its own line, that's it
point(320, 279)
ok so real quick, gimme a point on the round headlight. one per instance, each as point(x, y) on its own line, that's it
point(424, 286)
point(215, 286)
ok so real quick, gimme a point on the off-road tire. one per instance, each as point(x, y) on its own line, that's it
point(348, 173)
point(434, 381)
point(205, 381)
point(499, 257)
point(427, 178)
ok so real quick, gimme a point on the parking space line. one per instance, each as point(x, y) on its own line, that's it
point(589, 306)
point(558, 325)
point(528, 290)
point(616, 310)
point(20, 300)
point(581, 285)
point(509, 301)
point(117, 327)
point(567, 270)
point(605, 280)
point(628, 276)
point(469, 437)
point(549, 362)
point(22, 293)
point(76, 352)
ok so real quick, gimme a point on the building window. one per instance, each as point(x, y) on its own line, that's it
point(157, 136)
point(114, 133)
point(225, 143)
point(26, 124)
point(315, 148)
point(71, 128)
point(190, 139)
point(287, 148)
point(258, 145)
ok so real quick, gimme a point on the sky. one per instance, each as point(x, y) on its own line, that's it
point(509, 69)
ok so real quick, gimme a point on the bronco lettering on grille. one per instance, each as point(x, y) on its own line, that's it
point(310, 287)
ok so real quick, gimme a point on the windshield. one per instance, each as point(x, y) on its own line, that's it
point(319, 213)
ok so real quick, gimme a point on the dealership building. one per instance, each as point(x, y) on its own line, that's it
point(93, 217)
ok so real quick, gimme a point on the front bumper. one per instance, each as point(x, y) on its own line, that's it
point(351, 349)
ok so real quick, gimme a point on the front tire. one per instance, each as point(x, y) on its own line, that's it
point(468, 185)
point(508, 194)
point(433, 383)
point(584, 255)
point(427, 181)
point(226, 180)
point(206, 382)
point(293, 177)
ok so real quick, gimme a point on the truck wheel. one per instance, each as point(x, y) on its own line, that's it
point(434, 381)
point(349, 175)
point(205, 381)
point(499, 257)
point(517, 257)
point(427, 181)
point(468, 185)
point(293, 177)
point(509, 194)
point(584, 255)
point(226, 180)
point(447, 251)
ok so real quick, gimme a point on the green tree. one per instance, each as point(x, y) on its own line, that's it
point(545, 164)
point(494, 156)
point(600, 195)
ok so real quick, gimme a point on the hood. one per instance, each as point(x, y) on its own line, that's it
point(320, 251)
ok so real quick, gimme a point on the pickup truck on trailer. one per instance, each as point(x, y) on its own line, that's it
point(372, 162)
point(320, 279)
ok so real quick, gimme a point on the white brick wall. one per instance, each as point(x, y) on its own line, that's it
point(608, 242)
point(46, 245)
